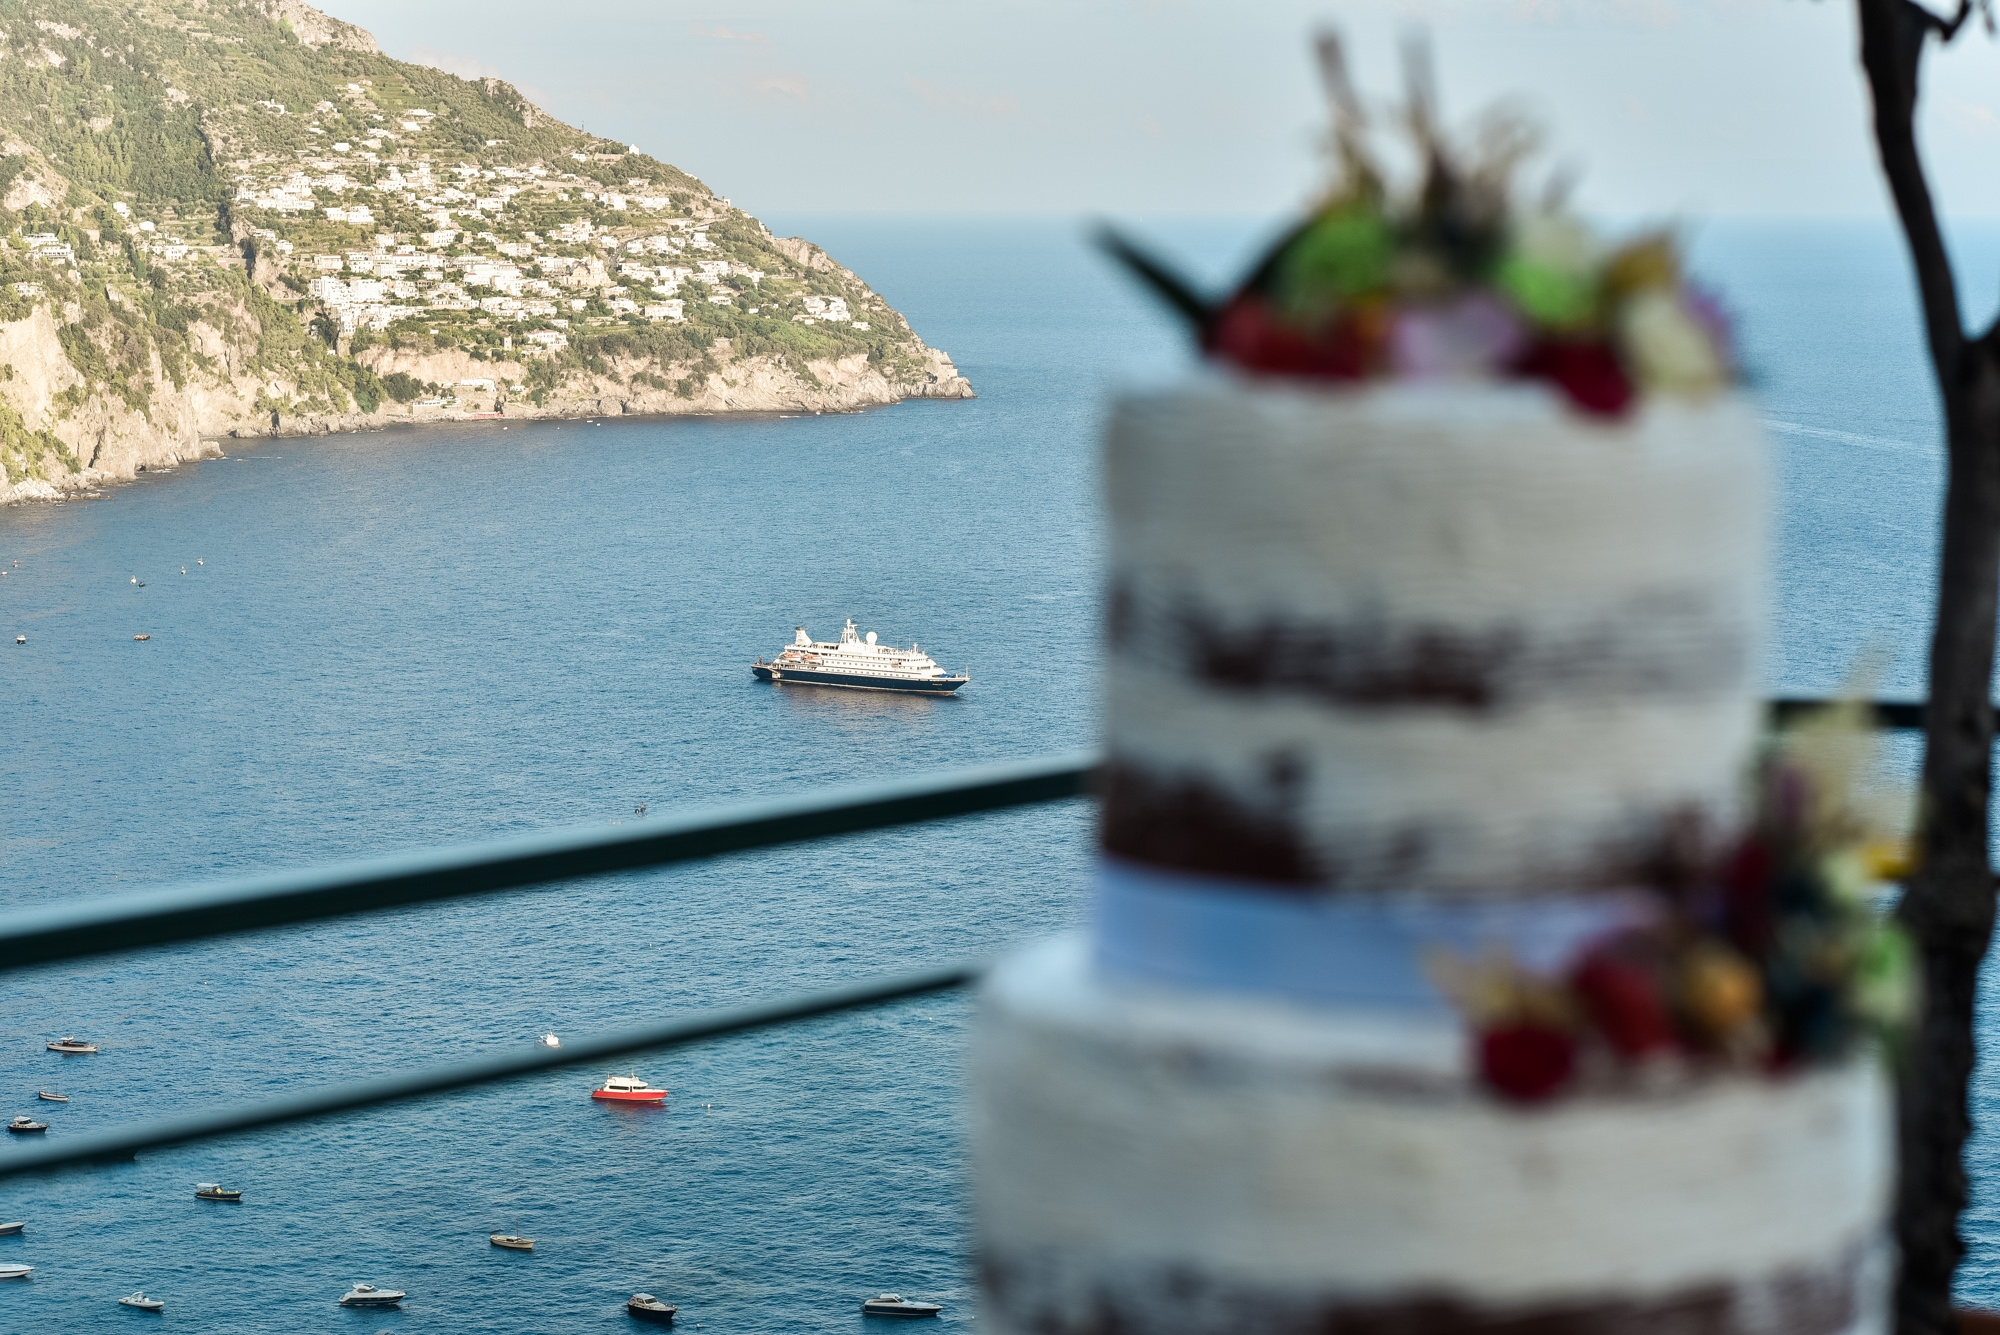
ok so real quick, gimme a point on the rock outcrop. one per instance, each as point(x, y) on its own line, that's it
point(107, 441)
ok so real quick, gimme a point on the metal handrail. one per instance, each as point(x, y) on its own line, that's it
point(1888, 715)
point(122, 1144)
point(148, 918)
point(103, 926)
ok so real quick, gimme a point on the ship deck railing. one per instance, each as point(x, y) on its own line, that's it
point(94, 927)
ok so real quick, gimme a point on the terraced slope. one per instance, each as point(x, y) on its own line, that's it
point(237, 217)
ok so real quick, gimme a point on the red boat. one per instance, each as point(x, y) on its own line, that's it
point(628, 1089)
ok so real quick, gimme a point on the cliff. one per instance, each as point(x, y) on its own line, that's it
point(225, 220)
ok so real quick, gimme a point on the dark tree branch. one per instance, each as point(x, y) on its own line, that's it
point(1948, 28)
point(1893, 33)
point(1948, 905)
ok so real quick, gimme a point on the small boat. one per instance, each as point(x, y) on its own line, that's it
point(367, 1295)
point(15, 1271)
point(25, 1125)
point(513, 1242)
point(215, 1191)
point(142, 637)
point(50, 1096)
point(646, 1307)
point(142, 1302)
point(9, 1230)
point(72, 1045)
point(628, 1089)
point(891, 1304)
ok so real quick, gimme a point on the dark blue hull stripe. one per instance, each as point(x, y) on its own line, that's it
point(852, 682)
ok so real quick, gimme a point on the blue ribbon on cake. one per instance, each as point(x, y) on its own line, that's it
point(1184, 930)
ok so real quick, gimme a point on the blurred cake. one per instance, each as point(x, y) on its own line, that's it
point(1445, 639)
point(1151, 1161)
point(1458, 963)
point(1391, 670)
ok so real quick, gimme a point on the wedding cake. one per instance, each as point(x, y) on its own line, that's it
point(1458, 962)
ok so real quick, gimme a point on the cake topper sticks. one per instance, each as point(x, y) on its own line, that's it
point(1435, 272)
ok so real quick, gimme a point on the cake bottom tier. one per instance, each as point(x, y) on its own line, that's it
point(1148, 1160)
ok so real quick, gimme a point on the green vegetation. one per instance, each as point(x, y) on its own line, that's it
point(25, 453)
point(177, 176)
point(402, 387)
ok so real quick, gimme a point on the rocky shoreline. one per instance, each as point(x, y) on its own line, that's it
point(109, 441)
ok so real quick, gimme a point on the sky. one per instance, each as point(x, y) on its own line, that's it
point(1662, 108)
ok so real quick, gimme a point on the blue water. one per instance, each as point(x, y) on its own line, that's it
point(411, 638)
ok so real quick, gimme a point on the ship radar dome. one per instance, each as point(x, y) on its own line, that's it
point(871, 637)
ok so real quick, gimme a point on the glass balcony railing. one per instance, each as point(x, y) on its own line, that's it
point(150, 919)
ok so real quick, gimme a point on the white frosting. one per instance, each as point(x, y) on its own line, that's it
point(1450, 504)
point(1119, 1132)
point(1615, 569)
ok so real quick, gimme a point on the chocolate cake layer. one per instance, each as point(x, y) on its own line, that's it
point(1022, 1299)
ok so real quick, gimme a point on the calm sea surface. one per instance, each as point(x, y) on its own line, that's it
point(411, 638)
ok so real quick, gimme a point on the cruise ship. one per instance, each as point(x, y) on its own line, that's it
point(857, 662)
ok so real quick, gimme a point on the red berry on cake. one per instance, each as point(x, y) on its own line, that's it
point(1527, 1061)
point(1626, 1003)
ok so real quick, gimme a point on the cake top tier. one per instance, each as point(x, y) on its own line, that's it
point(1454, 640)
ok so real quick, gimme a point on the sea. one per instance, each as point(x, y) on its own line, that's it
point(429, 636)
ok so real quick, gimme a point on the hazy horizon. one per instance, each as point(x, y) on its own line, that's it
point(1727, 108)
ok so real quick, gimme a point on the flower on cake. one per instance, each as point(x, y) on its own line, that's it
point(1771, 957)
point(1445, 277)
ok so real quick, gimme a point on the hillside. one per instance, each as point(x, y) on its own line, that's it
point(239, 218)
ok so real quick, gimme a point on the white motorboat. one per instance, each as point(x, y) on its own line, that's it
point(893, 1304)
point(50, 1096)
point(25, 1125)
point(367, 1295)
point(215, 1191)
point(512, 1242)
point(142, 1302)
point(9, 1230)
point(15, 1271)
point(72, 1045)
point(645, 1307)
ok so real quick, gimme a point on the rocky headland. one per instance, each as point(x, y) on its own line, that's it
point(220, 222)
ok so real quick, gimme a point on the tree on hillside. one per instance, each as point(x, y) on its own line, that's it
point(1948, 903)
